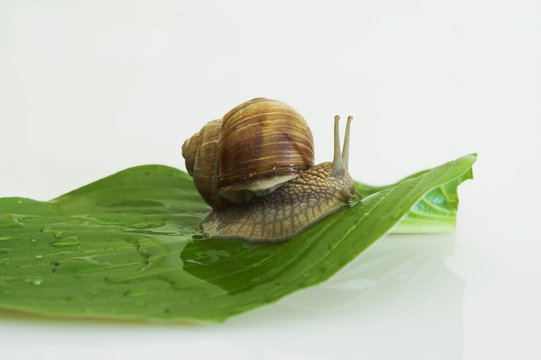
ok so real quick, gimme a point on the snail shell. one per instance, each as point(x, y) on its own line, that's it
point(257, 146)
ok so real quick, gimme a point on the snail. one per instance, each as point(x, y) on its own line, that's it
point(255, 168)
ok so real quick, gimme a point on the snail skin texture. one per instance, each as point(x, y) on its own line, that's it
point(255, 168)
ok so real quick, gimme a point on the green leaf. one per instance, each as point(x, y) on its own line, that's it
point(129, 246)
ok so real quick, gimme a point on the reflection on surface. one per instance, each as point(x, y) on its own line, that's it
point(231, 265)
point(397, 299)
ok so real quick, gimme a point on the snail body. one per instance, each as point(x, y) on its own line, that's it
point(255, 168)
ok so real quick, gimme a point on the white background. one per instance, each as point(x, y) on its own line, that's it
point(89, 88)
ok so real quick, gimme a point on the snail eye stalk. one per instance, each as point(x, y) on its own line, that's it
point(340, 160)
point(345, 149)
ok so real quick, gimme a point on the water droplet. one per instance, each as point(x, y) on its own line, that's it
point(192, 261)
point(80, 264)
point(58, 234)
point(135, 293)
point(39, 256)
point(17, 219)
point(5, 238)
point(34, 240)
point(140, 225)
point(76, 298)
point(19, 202)
point(144, 252)
point(37, 282)
point(160, 260)
point(68, 241)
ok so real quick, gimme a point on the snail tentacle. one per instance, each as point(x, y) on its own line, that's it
point(345, 149)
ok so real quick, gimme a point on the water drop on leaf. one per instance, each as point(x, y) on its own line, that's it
point(69, 241)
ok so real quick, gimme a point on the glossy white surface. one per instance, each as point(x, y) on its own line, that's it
point(90, 88)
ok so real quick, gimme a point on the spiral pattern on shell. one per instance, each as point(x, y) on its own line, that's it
point(255, 148)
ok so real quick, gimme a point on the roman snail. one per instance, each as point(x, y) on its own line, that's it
point(255, 168)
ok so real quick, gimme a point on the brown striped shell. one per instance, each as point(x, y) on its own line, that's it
point(201, 155)
point(255, 148)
